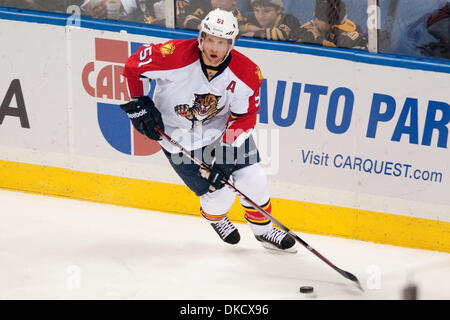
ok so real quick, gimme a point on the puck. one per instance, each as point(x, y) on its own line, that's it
point(306, 289)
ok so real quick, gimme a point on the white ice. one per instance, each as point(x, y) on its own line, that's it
point(55, 248)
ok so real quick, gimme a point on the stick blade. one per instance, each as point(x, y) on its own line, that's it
point(351, 277)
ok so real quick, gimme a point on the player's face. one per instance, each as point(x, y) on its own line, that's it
point(227, 5)
point(266, 15)
point(214, 50)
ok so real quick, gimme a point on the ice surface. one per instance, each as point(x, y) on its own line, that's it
point(55, 248)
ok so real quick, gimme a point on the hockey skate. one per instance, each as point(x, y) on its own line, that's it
point(226, 231)
point(277, 240)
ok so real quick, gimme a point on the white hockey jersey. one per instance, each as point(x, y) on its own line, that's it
point(196, 111)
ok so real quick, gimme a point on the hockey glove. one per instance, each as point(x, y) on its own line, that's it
point(219, 169)
point(144, 116)
point(214, 176)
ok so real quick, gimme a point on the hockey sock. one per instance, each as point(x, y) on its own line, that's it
point(257, 222)
point(211, 218)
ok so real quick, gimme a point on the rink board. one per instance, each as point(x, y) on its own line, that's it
point(352, 149)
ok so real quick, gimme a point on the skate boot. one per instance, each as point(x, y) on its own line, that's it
point(276, 239)
point(226, 231)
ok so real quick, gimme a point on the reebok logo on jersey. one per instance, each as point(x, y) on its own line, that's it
point(137, 114)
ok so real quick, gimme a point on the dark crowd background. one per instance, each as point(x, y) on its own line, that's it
point(408, 27)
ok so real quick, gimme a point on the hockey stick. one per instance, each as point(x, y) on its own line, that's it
point(344, 273)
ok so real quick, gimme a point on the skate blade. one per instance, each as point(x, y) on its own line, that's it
point(270, 246)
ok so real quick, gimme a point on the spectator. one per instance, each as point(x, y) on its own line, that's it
point(98, 8)
point(268, 21)
point(145, 11)
point(331, 27)
point(438, 25)
point(196, 11)
point(181, 7)
point(42, 5)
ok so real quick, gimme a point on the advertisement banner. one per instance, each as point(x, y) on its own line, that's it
point(357, 127)
point(33, 91)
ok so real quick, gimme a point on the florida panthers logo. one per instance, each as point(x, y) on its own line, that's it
point(205, 107)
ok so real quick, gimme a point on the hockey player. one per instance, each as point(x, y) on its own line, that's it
point(331, 28)
point(207, 99)
point(269, 22)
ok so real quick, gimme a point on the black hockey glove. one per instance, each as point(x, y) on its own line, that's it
point(214, 176)
point(219, 169)
point(144, 116)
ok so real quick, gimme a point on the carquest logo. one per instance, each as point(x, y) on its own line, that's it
point(103, 80)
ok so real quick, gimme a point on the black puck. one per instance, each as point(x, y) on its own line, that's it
point(306, 289)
